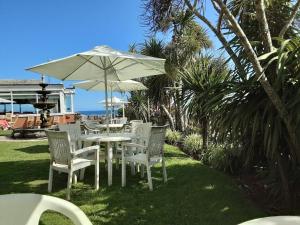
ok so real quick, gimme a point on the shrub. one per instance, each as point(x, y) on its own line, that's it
point(223, 157)
point(172, 137)
point(193, 144)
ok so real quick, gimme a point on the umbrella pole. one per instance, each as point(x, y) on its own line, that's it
point(106, 101)
point(123, 110)
point(111, 106)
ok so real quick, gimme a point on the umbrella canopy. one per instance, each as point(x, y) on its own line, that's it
point(102, 63)
point(3, 100)
point(121, 86)
point(114, 101)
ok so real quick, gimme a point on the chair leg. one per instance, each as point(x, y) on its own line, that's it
point(97, 170)
point(50, 180)
point(117, 163)
point(81, 176)
point(69, 185)
point(75, 178)
point(132, 166)
point(149, 176)
point(142, 170)
point(164, 170)
point(123, 170)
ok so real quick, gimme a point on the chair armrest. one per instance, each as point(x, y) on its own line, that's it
point(134, 145)
point(85, 127)
point(86, 149)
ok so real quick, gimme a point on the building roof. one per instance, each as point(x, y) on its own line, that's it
point(31, 86)
point(22, 82)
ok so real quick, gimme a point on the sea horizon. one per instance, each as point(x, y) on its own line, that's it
point(92, 112)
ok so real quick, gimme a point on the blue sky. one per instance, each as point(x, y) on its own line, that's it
point(34, 31)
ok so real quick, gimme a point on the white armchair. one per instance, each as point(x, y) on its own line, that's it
point(74, 131)
point(140, 134)
point(274, 220)
point(26, 209)
point(64, 158)
point(148, 153)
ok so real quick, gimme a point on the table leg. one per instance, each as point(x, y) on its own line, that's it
point(109, 163)
point(123, 167)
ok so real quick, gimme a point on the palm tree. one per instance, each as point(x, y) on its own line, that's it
point(202, 83)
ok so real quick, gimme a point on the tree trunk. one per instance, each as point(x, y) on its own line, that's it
point(290, 20)
point(178, 111)
point(263, 25)
point(171, 120)
point(205, 133)
point(261, 77)
point(221, 38)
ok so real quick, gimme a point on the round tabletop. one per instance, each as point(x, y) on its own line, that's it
point(105, 138)
point(117, 125)
point(274, 220)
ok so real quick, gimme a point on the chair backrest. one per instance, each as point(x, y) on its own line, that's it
point(143, 132)
point(121, 120)
point(59, 146)
point(134, 124)
point(30, 122)
point(73, 129)
point(20, 122)
point(26, 209)
point(156, 141)
point(55, 120)
point(91, 124)
point(37, 121)
point(8, 116)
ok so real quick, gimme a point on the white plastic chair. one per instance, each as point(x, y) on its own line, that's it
point(90, 127)
point(64, 158)
point(26, 209)
point(140, 135)
point(274, 220)
point(150, 152)
point(74, 131)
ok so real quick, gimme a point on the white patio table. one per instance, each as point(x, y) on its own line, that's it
point(274, 220)
point(112, 127)
point(108, 139)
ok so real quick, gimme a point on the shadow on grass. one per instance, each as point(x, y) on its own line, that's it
point(34, 149)
point(194, 194)
point(27, 176)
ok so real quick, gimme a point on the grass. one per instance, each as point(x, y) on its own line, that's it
point(5, 132)
point(194, 194)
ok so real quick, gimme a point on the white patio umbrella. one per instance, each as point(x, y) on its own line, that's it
point(102, 63)
point(115, 102)
point(120, 86)
point(3, 100)
point(6, 101)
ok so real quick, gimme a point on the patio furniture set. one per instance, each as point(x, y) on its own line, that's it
point(72, 150)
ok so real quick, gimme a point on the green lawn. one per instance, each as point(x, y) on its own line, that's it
point(194, 194)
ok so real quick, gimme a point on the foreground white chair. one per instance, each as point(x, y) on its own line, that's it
point(274, 220)
point(64, 158)
point(150, 152)
point(26, 209)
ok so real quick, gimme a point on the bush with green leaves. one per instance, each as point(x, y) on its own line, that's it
point(172, 137)
point(193, 144)
point(223, 157)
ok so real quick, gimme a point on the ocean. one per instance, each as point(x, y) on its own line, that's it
point(93, 113)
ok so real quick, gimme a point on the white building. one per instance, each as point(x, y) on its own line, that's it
point(23, 93)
